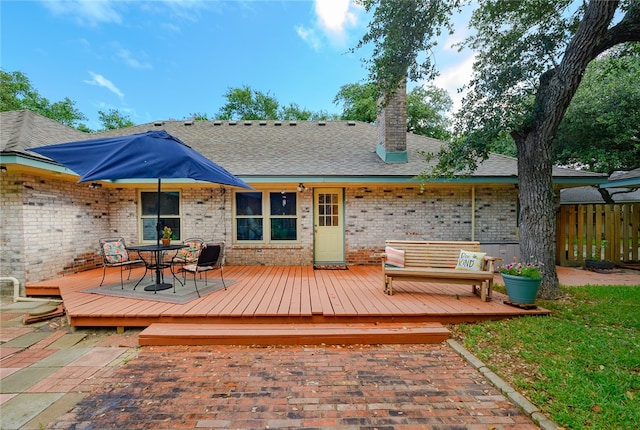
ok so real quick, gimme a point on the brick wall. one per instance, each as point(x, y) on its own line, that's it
point(443, 213)
point(48, 227)
point(51, 227)
point(392, 122)
point(12, 262)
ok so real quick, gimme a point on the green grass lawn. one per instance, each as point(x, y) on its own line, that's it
point(581, 365)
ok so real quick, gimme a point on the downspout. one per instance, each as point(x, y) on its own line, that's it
point(16, 292)
point(473, 212)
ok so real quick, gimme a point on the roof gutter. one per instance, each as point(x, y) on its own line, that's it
point(23, 159)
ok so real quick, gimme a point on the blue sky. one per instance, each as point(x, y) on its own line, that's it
point(158, 60)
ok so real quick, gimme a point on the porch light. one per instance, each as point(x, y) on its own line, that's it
point(95, 185)
point(301, 188)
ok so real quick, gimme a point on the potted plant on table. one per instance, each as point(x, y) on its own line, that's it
point(166, 235)
point(522, 281)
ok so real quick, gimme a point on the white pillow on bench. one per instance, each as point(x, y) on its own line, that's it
point(470, 260)
point(395, 257)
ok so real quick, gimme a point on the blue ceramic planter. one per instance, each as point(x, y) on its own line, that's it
point(521, 290)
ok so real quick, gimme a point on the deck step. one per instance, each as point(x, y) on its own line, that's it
point(42, 289)
point(291, 334)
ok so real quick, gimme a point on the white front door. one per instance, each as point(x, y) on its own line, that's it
point(328, 221)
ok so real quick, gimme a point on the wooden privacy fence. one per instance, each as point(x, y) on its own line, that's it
point(598, 231)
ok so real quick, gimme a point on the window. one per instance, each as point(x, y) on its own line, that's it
point(169, 213)
point(328, 214)
point(266, 216)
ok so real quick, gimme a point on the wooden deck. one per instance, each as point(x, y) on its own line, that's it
point(281, 295)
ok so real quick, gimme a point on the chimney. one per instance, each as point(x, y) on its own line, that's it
point(392, 128)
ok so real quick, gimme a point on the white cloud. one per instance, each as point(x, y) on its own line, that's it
point(454, 77)
point(309, 35)
point(131, 60)
point(88, 13)
point(333, 20)
point(101, 81)
point(335, 15)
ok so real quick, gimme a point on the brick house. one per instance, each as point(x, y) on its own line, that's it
point(325, 193)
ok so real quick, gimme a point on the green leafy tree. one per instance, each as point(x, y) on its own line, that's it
point(199, 116)
point(504, 144)
point(293, 112)
point(427, 107)
point(601, 129)
point(359, 102)
point(247, 104)
point(113, 119)
point(530, 59)
point(17, 92)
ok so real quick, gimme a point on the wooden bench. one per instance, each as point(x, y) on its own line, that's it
point(435, 261)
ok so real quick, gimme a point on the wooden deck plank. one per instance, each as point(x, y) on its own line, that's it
point(257, 291)
point(274, 296)
point(279, 293)
point(376, 301)
point(294, 286)
point(288, 285)
point(323, 306)
point(219, 300)
point(305, 296)
point(340, 307)
point(350, 291)
point(201, 307)
point(234, 303)
point(315, 298)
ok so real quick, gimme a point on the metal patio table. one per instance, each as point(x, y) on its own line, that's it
point(155, 263)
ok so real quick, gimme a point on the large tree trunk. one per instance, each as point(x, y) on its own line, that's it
point(533, 141)
point(537, 209)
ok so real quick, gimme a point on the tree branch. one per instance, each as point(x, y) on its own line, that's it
point(627, 30)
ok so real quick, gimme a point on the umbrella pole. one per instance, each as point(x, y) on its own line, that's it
point(158, 227)
point(158, 233)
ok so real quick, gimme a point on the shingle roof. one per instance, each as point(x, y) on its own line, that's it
point(23, 129)
point(626, 179)
point(281, 148)
point(583, 195)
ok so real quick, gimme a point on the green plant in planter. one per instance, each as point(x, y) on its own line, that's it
point(597, 255)
point(522, 281)
point(595, 261)
point(524, 270)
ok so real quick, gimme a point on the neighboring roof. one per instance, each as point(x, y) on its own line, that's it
point(23, 129)
point(586, 195)
point(262, 150)
point(626, 179)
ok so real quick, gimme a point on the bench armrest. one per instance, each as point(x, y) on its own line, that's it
point(490, 263)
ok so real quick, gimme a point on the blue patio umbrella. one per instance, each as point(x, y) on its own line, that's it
point(151, 155)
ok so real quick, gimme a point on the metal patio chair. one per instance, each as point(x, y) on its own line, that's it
point(211, 257)
point(114, 254)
